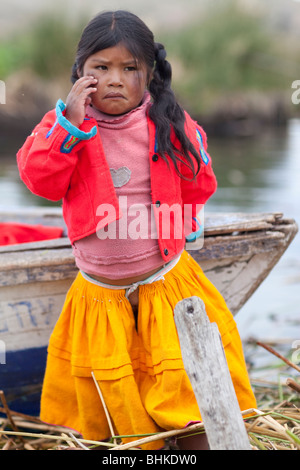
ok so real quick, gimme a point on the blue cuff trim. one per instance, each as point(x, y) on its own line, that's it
point(194, 235)
point(73, 130)
point(51, 130)
point(203, 154)
point(69, 143)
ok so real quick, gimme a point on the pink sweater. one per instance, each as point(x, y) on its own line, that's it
point(124, 253)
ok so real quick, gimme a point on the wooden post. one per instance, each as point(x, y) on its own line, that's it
point(205, 363)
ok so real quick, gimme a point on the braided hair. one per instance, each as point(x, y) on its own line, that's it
point(108, 29)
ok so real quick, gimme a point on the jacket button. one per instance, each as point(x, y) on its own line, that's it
point(158, 203)
point(166, 252)
point(155, 158)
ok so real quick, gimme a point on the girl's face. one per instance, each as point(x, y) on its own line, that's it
point(121, 79)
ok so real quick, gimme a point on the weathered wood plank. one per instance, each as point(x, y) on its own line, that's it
point(236, 263)
point(220, 223)
point(215, 223)
point(229, 246)
point(206, 365)
point(62, 242)
point(28, 314)
point(238, 280)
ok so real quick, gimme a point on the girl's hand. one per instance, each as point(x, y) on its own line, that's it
point(79, 98)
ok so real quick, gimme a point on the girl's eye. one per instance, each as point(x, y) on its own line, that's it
point(130, 69)
point(101, 67)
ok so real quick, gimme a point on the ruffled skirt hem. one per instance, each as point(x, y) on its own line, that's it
point(138, 368)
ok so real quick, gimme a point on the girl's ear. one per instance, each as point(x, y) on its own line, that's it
point(79, 72)
point(75, 73)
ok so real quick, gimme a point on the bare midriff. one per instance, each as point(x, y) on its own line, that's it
point(126, 281)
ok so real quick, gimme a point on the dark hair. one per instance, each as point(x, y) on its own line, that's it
point(108, 29)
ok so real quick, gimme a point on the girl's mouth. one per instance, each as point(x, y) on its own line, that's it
point(114, 96)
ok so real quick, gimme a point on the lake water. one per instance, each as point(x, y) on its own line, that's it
point(263, 175)
point(255, 175)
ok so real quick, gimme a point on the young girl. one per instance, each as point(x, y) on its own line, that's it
point(123, 156)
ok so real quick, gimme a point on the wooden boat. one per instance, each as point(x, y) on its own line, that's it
point(239, 252)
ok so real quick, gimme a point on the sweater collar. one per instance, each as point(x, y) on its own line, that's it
point(124, 120)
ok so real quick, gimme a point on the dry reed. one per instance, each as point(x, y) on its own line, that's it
point(275, 425)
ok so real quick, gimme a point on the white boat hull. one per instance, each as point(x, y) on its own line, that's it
point(239, 252)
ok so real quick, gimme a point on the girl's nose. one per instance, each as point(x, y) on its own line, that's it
point(115, 79)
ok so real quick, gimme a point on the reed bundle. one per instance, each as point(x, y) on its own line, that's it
point(275, 425)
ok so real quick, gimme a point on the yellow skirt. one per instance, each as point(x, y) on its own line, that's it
point(139, 368)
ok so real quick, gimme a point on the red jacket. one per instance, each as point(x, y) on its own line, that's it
point(59, 161)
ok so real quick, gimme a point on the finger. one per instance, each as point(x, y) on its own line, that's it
point(84, 78)
point(83, 83)
point(88, 101)
point(78, 98)
point(88, 91)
